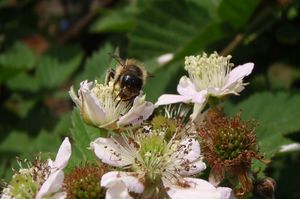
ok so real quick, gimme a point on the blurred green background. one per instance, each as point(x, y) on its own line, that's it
point(48, 45)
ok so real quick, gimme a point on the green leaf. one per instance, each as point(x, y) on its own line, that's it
point(178, 27)
point(83, 135)
point(46, 142)
point(23, 82)
point(121, 20)
point(168, 27)
point(236, 12)
point(54, 69)
point(97, 65)
point(18, 58)
point(4, 3)
point(20, 106)
point(211, 6)
point(63, 126)
point(161, 81)
point(277, 115)
point(18, 143)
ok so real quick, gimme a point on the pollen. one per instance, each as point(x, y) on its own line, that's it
point(26, 181)
point(208, 71)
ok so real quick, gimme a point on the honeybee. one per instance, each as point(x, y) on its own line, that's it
point(130, 76)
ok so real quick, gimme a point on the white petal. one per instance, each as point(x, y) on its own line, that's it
point(187, 88)
point(198, 189)
point(171, 99)
point(131, 182)
point(194, 168)
point(189, 157)
point(165, 58)
point(139, 112)
point(190, 149)
point(91, 109)
point(225, 193)
point(217, 92)
point(63, 154)
point(237, 74)
point(118, 191)
point(290, 147)
point(59, 195)
point(51, 185)
point(111, 152)
point(85, 86)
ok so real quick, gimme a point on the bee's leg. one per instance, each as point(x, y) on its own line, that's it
point(110, 75)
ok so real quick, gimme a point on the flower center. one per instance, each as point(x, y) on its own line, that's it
point(167, 125)
point(229, 143)
point(23, 184)
point(109, 100)
point(208, 72)
point(83, 182)
point(152, 152)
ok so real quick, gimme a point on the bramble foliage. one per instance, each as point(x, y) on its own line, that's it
point(45, 47)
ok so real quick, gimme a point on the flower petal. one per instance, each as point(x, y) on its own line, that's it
point(189, 157)
point(111, 152)
point(171, 99)
point(63, 154)
point(237, 74)
point(225, 192)
point(117, 191)
point(130, 180)
point(289, 147)
point(194, 168)
point(165, 58)
point(51, 185)
point(194, 189)
point(59, 195)
point(190, 149)
point(139, 112)
point(91, 110)
point(186, 87)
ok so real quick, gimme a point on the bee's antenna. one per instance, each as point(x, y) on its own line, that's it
point(117, 58)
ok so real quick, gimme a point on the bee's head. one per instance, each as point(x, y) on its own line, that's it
point(130, 86)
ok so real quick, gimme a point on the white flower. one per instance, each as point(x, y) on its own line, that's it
point(100, 107)
point(152, 158)
point(208, 76)
point(51, 188)
point(289, 147)
point(198, 189)
point(41, 179)
point(165, 58)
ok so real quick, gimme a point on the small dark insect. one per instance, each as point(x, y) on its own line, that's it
point(130, 76)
